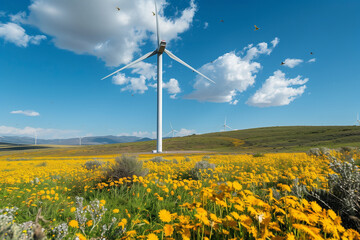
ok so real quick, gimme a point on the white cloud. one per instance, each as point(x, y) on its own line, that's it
point(18, 18)
point(234, 102)
point(312, 60)
point(146, 69)
point(185, 132)
point(47, 133)
point(206, 25)
point(172, 87)
point(275, 42)
point(292, 62)
point(133, 84)
point(98, 28)
point(278, 91)
point(14, 33)
point(29, 113)
point(233, 74)
point(141, 134)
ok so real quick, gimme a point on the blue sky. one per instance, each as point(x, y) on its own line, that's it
point(53, 54)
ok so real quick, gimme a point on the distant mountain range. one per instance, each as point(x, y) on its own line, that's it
point(74, 141)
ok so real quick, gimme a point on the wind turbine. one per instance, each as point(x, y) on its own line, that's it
point(80, 140)
point(159, 51)
point(173, 131)
point(35, 137)
point(227, 126)
point(357, 120)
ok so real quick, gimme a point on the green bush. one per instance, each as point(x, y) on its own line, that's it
point(258, 155)
point(93, 164)
point(125, 166)
point(43, 164)
point(343, 196)
point(159, 159)
point(202, 169)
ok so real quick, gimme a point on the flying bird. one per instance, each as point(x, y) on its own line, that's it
point(256, 28)
point(153, 14)
point(311, 53)
point(221, 20)
point(282, 63)
point(118, 8)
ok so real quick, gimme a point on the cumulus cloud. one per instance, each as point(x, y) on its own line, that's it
point(233, 74)
point(234, 102)
point(98, 28)
point(47, 133)
point(292, 62)
point(278, 91)
point(20, 17)
point(172, 87)
point(133, 84)
point(275, 42)
point(206, 25)
point(312, 60)
point(141, 134)
point(185, 132)
point(14, 33)
point(29, 113)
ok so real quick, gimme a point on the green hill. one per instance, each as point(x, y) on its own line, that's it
point(269, 139)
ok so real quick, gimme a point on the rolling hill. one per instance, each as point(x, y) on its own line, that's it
point(269, 139)
point(98, 140)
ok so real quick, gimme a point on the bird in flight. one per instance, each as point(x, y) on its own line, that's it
point(118, 8)
point(153, 14)
point(256, 28)
point(282, 63)
point(311, 53)
point(221, 20)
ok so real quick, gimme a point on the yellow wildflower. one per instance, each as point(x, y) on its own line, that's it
point(74, 224)
point(165, 215)
point(152, 236)
point(168, 230)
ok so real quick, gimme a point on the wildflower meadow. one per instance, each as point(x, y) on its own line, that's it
point(172, 196)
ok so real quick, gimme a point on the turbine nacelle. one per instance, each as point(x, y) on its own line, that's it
point(161, 48)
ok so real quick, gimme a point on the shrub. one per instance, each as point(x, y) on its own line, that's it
point(43, 164)
point(93, 164)
point(343, 196)
point(158, 160)
point(258, 155)
point(202, 169)
point(125, 166)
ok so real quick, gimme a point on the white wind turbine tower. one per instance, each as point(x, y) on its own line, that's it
point(227, 126)
point(159, 51)
point(357, 119)
point(35, 139)
point(173, 131)
point(80, 140)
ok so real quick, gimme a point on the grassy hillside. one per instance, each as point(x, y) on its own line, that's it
point(270, 139)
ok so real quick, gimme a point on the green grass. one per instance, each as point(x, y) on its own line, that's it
point(257, 140)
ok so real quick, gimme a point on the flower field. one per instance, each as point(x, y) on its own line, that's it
point(240, 197)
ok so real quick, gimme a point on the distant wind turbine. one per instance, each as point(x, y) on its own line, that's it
point(159, 51)
point(80, 140)
point(227, 126)
point(357, 119)
point(35, 137)
point(173, 131)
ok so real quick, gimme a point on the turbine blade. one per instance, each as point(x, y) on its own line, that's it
point(229, 127)
point(171, 126)
point(157, 24)
point(168, 134)
point(170, 54)
point(132, 63)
